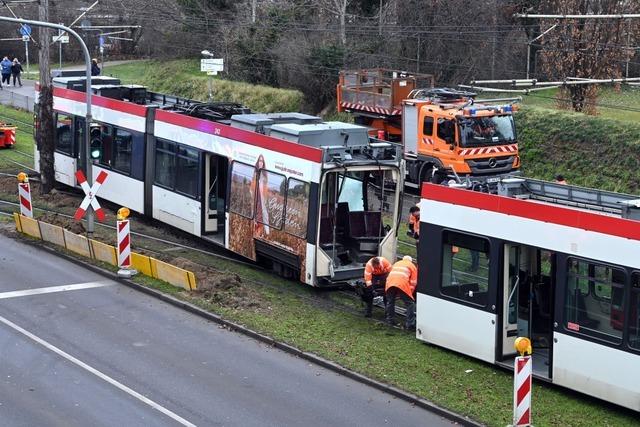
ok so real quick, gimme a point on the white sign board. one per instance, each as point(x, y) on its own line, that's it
point(212, 73)
point(25, 38)
point(212, 64)
point(62, 39)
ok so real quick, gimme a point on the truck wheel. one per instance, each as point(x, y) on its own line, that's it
point(426, 173)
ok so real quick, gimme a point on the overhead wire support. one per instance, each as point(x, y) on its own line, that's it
point(587, 16)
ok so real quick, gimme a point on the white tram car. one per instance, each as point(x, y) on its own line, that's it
point(558, 264)
point(304, 196)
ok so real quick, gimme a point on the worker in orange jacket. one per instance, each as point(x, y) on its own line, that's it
point(402, 282)
point(375, 277)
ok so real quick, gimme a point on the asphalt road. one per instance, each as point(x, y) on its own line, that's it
point(99, 353)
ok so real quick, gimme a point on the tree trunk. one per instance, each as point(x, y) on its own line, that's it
point(343, 24)
point(45, 134)
point(578, 97)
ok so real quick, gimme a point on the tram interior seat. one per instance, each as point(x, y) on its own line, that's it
point(583, 316)
point(326, 241)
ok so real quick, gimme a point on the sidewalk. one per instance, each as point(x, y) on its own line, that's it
point(23, 97)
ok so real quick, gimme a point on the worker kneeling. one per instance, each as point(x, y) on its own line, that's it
point(401, 282)
point(375, 278)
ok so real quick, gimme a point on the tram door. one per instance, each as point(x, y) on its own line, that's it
point(216, 170)
point(528, 301)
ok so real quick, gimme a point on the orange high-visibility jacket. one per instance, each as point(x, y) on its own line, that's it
point(369, 271)
point(404, 276)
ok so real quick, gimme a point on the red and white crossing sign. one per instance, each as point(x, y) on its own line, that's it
point(24, 193)
point(90, 198)
point(124, 244)
point(523, 367)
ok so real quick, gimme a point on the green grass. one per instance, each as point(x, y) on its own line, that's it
point(183, 78)
point(24, 141)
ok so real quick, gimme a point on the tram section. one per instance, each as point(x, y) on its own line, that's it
point(313, 200)
point(555, 263)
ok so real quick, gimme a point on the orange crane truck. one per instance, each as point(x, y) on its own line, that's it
point(444, 132)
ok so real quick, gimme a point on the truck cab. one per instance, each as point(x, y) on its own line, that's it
point(448, 130)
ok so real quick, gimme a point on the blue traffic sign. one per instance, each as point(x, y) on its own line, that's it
point(25, 30)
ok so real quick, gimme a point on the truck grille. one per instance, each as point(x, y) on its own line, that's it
point(490, 165)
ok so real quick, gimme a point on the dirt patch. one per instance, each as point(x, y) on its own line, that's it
point(220, 287)
point(64, 222)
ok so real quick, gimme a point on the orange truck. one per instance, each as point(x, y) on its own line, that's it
point(444, 132)
point(7, 135)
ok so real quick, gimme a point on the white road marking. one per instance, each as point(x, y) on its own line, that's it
point(97, 373)
point(50, 289)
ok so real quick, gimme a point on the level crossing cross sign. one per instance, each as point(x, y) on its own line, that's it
point(90, 195)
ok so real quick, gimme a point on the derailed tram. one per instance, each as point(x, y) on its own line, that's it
point(313, 200)
point(558, 264)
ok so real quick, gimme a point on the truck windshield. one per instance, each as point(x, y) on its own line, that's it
point(494, 130)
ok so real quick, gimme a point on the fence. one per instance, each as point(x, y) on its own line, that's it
point(16, 100)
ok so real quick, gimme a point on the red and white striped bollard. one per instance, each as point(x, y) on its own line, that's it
point(24, 194)
point(522, 381)
point(124, 244)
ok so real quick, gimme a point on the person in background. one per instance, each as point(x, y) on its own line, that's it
point(5, 69)
point(16, 70)
point(560, 180)
point(402, 282)
point(414, 222)
point(95, 70)
point(375, 278)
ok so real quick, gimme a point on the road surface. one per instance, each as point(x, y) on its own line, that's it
point(77, 349)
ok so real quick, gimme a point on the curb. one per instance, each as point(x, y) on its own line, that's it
point(234, 327)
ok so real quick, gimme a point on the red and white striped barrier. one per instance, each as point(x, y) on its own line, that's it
point(522, 391)
point(24, 193)
point(90, 198)
point(124, 244)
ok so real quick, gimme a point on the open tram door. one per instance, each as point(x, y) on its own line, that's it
point(527, 304)
point(216, 169)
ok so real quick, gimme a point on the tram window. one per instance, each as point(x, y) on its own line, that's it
point(187, 171)
point(242, 189)
point(107, 146)
point(122, 154)
point(270, 199)
point(594, 299)
point(465, 268)
point(634, 312)
point(64, 137)
point(165, 163)
point(297, 208)
point(351, 192)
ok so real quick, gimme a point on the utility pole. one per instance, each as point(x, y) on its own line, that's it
point(380, 19)
point(254, 6)
point(45, 135)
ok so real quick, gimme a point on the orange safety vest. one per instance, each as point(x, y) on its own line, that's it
point(404, 276)
point(369, 270)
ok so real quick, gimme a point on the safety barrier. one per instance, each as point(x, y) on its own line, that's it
point(99, 251)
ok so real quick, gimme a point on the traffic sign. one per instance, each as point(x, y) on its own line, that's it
point(25, 30)
point(90, 195)
point(212, 64)
point(64, 38)
point(25, 38)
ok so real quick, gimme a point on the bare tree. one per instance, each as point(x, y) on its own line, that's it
point(44, 134)
point(587, 48)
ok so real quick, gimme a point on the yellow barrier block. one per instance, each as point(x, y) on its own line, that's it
point(141, 263)
point(170, 274)
point(16, 218)
point(192, 280)
point(103, 252)
point(52, 233)
point(77, 244)
point(30, 226)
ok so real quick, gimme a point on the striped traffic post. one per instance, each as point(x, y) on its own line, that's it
point(124, 244)
point(522, 379)
point(24, 194)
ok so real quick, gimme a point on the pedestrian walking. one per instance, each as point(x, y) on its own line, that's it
point(95, 70)
point(375, 278)
point(16, 70)
point(402, 282)
point(5, 69)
